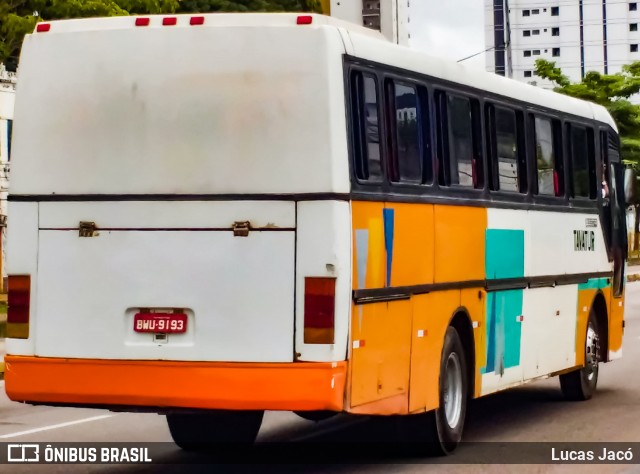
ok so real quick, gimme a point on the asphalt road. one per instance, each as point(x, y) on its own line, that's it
point(533, 413)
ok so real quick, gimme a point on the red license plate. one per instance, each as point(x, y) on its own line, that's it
point(160, 323)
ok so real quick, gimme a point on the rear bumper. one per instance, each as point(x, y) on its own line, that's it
point(294, 386)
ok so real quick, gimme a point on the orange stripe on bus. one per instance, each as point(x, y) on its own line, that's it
point(232, 386)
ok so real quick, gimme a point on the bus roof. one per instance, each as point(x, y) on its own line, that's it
point(216, 20)
point(365, 43)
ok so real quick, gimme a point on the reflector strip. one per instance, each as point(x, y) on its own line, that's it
point(43, 27)
point(169, 21)
point(304, 20)
point(142, 21)
point(196, 20)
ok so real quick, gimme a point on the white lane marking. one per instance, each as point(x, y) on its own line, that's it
point(54, 427)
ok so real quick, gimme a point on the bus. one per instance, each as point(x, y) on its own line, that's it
point(217, 215)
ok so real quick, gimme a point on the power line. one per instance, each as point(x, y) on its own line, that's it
point(476, 54)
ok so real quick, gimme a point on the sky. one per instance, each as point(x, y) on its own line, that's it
point(453, 29)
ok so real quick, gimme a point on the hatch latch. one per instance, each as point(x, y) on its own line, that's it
point(87, 229)
point(241, 228)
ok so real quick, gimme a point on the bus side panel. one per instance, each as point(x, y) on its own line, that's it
point(459, 243)
point(506, 257)
point(432, 313)
point(22, 259)
point(380, 350)
point(474, 300)
point(323, 249)
point(616, 331)
point(585, 299)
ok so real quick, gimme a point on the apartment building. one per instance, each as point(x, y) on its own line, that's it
point(578, 35)
point(390, 17)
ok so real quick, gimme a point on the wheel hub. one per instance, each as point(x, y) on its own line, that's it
point(452, 395)
point(592, 355)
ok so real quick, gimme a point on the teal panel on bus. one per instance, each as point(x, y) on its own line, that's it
point(595, 284)
point(505, 253)
point(504, 259)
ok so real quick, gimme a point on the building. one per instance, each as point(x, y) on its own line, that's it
point(7, 94)
point(390, 17)
point(579, 36)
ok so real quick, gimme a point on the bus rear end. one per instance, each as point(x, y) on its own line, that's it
point(180, 232)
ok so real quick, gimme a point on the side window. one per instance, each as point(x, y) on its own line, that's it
point(408, 138)
point(368, 154)
point(506, 129)
point(548, 162)
point(582, 162)
point(459, 141)
point(604, 160)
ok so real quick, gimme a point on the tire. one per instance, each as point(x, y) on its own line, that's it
point(581, 384)
point(217, 431)
point(438, 432)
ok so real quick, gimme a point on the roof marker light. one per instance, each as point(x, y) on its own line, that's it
point(169, 21)
point(43, 27)
point(196, 20)
point(304, 20)
point(142, 21)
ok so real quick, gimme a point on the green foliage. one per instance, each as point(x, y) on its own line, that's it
point(611, 91)
point(18, 17)
point(204, 6)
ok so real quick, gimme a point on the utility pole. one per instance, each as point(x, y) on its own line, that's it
point(507, 22)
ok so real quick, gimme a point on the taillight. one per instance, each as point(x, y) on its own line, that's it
point(319, 310)
point(18, 306)
point(304, 20)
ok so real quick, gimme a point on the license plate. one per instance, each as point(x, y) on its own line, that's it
point(160, 323)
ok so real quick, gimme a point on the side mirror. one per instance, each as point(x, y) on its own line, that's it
point(630, 182)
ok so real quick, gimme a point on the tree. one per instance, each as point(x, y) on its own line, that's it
point(204, 6)
point(611, 91)
point(19, 17)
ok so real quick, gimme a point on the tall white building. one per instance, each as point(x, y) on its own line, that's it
point(578, 35)
point(390, 17)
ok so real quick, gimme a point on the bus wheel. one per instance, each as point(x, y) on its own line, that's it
point(581, 384)
point(439, 432)
point(215, 431)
